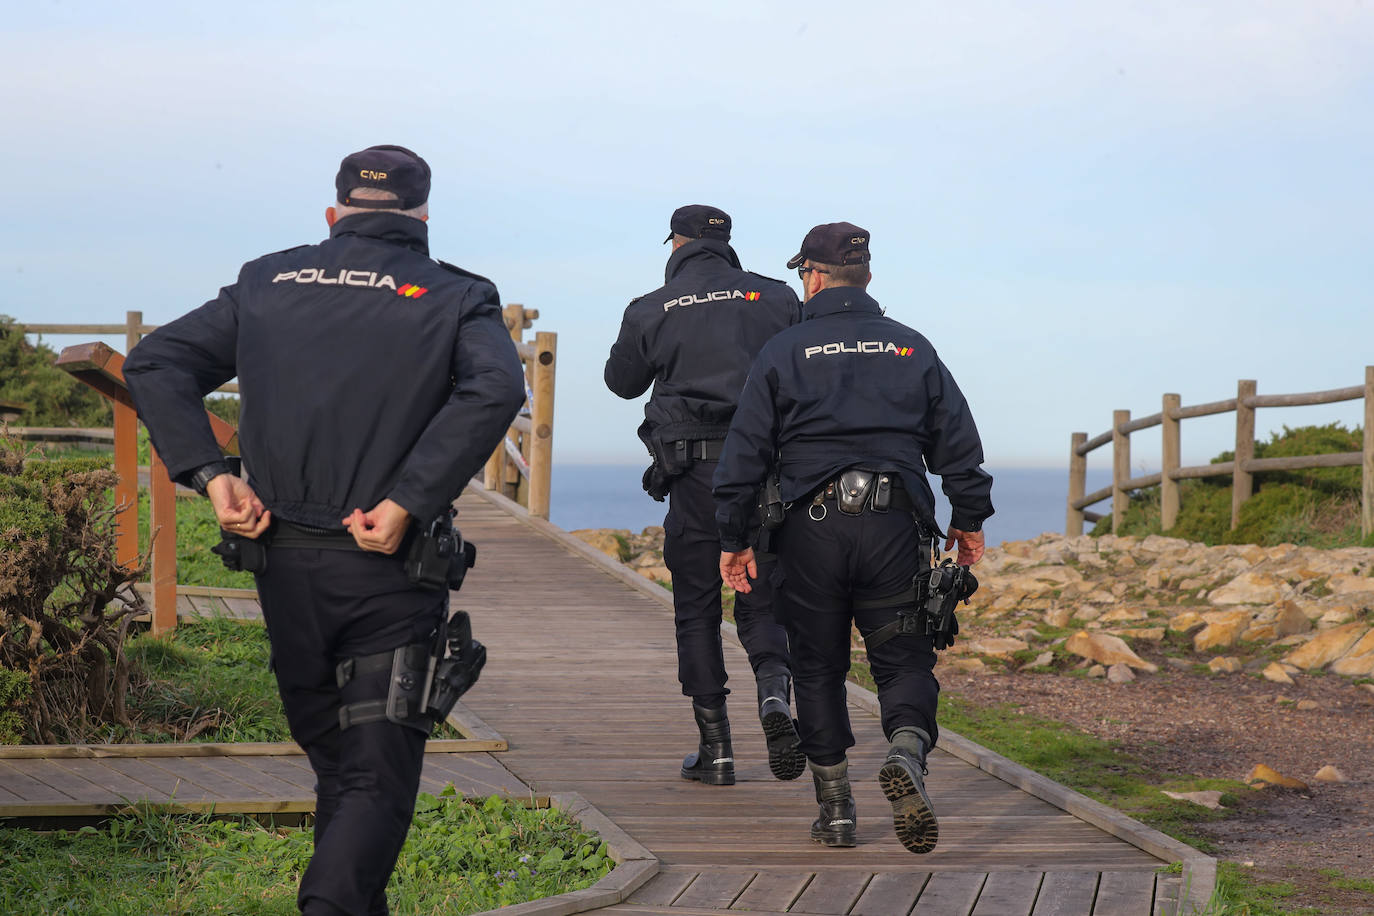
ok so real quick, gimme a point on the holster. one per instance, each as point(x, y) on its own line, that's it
point(438, 556)
point(241, 554)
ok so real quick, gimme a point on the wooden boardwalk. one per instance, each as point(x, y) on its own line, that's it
point(581, 683)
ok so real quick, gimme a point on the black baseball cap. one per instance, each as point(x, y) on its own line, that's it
point(833, 243)
point(698, 221)
point(388, 168)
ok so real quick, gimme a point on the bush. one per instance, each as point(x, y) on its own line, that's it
point(51, 396)
point(65, 602)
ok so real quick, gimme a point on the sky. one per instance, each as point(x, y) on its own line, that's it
point(1083, 205)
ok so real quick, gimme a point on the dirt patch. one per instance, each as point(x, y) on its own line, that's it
point(1222, 726)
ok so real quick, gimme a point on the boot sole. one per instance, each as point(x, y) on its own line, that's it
point(842, 840)
point(785, 758)
point(916, 826)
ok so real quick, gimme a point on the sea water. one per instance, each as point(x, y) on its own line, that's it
point(1029, 501)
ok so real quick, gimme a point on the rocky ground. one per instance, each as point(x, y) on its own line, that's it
point(1240, 662)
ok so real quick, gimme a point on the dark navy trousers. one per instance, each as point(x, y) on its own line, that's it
point(824, 567)
point(691, 551)
point(322, 606)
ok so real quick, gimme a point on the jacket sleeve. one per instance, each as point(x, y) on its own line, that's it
point(488, 389)
point(955, 451)
point(628, 374)
point(746, 456)
point(170, 372)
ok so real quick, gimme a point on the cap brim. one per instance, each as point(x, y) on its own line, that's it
point(669, 238)
point(796, 261)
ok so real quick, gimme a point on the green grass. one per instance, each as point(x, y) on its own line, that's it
point(197, 531)
point(460, 857)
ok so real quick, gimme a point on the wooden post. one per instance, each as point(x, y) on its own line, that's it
point(1242, 481)
point(126, 487)
point(541, 423)
point(1121, 467)
point(1170, 462)
point(493, 477)
point(133, 322)
point(162, 529)
point(1367, 481)
point(1078, 483)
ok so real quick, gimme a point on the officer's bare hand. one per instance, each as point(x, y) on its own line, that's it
point(237, 507)
point(380, 530)
point(738, 568)
point(970, 545)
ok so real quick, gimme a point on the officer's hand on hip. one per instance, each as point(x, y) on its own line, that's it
point(970, 545)
point(380, 530)
point(738, 568)
point(237, 507)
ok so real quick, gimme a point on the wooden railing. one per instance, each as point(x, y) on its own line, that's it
point(522, 466)
point(1242, 469)
point(101, 368)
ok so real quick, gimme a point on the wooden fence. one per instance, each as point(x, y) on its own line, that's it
point(1241, 470)
point(521, 467)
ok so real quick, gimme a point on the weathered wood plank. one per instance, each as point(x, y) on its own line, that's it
point(28, 788)
point(1124, 894)
point(831, 892)
point(1008, 893)
point(714, 889)
point(665, 887)
point(772, 891)
point(890, 894)
point(1066, 894)
point(949, 894)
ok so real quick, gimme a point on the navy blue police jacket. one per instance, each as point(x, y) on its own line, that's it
point(693, 339)
point(846, 388)
point(366, 371)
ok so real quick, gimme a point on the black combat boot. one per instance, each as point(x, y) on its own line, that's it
point(714, 762)
point(837, 824)
point(903, 783)
point(785, 758)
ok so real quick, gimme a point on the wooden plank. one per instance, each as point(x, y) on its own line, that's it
point(1008, 893)
point(260, 782)
point(831, 892)
point(664, 887)
point(120, 785)
point(28, 788)
point(1066, 894)
point(1124, 894)
point(244, 608)
point(68, 783)
point(772, 891)
point(890, 893)
point(714, 889)
point(949, 894)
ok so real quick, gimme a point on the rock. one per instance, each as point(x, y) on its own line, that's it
point(999, 647)
point(1123, 615)
point(1308, 705)
point(1087, 612)
point(970, 665)
point(1209, 799)
point(1327, 646)
point(1367, 688)
point(657, 574)
point(1276, 674)
point(1058, 616)
point(647, 559)
point(1329, 773)
point(603, 540)
point(1149, 634)
point(1040, 661)
point(1353, 665)
point(1260, 632)
point(1223, 629)
point(1106, 649)
point(1120, 674)
point(1180, 663)
point(1263, 773)
point(1097, 671)
point(1346, 584)
point(1336, 616)
point(1224, 664)
point(1188, 620)
point(1249, 588)
point(1290, 619)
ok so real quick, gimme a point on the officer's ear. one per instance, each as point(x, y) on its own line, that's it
point(331, 216)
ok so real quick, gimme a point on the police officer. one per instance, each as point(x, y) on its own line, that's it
point(693, 340)
point(374, 383)
point(858, 406)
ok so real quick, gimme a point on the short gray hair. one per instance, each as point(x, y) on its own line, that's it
point(341, 209)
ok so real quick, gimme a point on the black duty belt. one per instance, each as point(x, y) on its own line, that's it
point(698, 449)
point(301, 537)
point(900, 499)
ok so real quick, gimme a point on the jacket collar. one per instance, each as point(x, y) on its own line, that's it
point(837, 299)
point(385, 227)
point(700, 252)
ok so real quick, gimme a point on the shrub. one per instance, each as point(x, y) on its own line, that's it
point(65, 602)
point(51, 396)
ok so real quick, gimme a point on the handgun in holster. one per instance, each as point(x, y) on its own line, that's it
point(438, 556)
